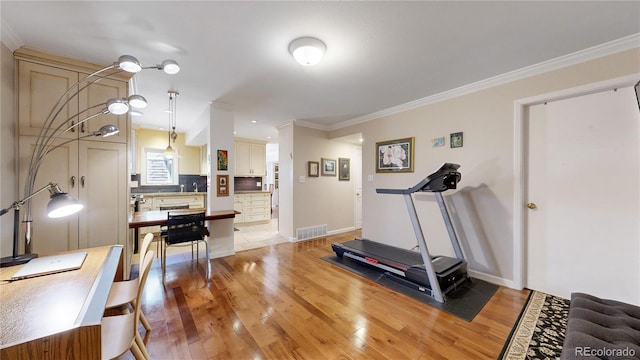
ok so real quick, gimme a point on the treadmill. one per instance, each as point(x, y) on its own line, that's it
point(434, 275)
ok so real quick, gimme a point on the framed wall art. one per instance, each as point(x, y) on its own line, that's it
point(328, 167)
point(223, 160)
point(344, 169)
point(222, 185)
point(313, 169)
point(456, 140)
point(395, 155)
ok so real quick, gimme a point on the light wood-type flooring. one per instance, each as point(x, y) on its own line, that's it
point(284, 302)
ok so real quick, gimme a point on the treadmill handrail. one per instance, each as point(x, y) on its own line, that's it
point(444, 170)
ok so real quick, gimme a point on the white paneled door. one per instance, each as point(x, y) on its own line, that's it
point(583, 196)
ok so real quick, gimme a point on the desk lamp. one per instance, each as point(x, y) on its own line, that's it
point(60, 205)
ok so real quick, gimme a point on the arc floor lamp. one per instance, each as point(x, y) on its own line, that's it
point(51, 137)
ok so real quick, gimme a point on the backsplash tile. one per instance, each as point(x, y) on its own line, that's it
point(247, 183)
point(186, 180)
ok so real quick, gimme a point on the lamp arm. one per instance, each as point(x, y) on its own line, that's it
point(95, 133)
point(18, 204)
point(45, 148)
point(48, 142)
point(57, 108)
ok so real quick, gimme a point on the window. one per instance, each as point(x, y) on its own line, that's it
point(157, 169)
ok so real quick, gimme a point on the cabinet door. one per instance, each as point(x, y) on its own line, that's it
point(59, 166)
point(39, 88)
point(258, 159)
point(99, 93)
point(243, 158)
point(103, 191)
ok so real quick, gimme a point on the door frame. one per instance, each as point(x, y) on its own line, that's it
point(520, 180)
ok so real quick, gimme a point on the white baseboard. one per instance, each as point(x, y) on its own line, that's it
point(340, 231)
point(219, 254)
point(331, 232)
point(493, 279)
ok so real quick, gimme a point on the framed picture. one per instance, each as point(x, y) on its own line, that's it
point(328, 167)
point(223, 160)
point(456, 140)
point(395, 155)
point(344, 169)
point(314, 169)
point(222, 185)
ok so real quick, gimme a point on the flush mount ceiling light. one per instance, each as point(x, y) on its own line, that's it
point(307, 51)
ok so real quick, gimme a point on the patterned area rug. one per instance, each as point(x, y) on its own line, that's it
point(539, 331)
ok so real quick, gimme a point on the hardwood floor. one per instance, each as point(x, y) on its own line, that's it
point(285, 302)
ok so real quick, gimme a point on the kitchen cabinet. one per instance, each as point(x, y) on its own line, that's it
point(95, 174)
point(250, 158)
point(253, 207)
point(166, 201)
point(92, 170)
point(43, 78)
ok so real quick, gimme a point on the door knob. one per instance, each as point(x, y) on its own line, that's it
point(532, 206)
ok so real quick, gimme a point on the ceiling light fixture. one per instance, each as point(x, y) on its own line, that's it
point(173, 96)
point(307, 51)
point(130, 64)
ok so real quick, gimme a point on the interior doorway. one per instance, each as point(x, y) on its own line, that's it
point(254, 235)
point(581, 197)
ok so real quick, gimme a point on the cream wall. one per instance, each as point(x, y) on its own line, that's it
point(8, 184)
point(483, 206)
point(288, 205)
point(324, 199)
point(190, 158)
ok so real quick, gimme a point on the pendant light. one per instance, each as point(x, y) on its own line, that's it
point(169, 152)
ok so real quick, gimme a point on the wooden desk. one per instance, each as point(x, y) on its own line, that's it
point(58, 316)
point(159, 217)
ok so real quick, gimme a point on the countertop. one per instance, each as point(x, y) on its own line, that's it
point(191, 193)
point(252, 191)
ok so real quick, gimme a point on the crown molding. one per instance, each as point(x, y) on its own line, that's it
point(312, 125)
point(598, 51)
point(9, 37)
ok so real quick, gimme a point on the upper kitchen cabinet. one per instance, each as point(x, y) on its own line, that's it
point(43, 80)
point(250, 158)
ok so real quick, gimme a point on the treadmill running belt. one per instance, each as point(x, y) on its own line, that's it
point(386, 254)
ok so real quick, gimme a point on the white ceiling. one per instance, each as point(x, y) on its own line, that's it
point(379, 54)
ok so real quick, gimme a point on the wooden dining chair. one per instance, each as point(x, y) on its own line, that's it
point(185, 229)
point(124, 293)
point(120, 332)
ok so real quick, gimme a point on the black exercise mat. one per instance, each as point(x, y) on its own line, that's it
point(465, 302)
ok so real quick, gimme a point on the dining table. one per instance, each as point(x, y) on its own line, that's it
point(140, 219)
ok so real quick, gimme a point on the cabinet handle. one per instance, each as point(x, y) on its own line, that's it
point(73, 181)
point(82, 178)
point(82, 127)
point(73, 128)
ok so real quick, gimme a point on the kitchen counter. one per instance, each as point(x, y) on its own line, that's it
point(252, 192)
point(172, 193)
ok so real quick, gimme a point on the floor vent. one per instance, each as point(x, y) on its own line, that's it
point(311, 232)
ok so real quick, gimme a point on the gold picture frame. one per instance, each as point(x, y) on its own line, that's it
point(222, 185)
point(395, 155)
